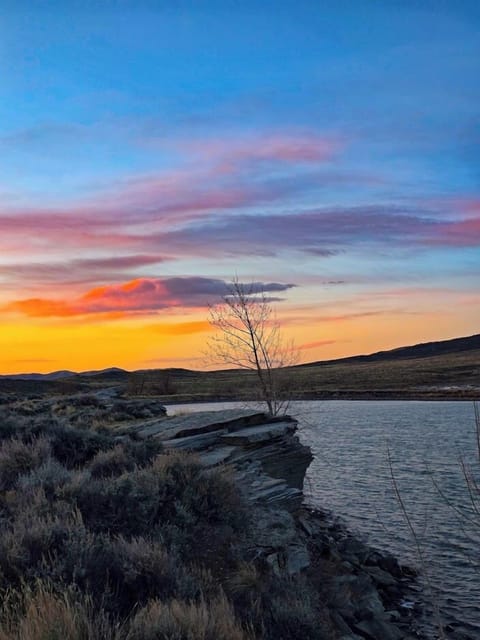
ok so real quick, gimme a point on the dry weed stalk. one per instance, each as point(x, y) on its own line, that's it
point(418, 547)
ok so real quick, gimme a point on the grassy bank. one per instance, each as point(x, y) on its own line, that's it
point(108, 539)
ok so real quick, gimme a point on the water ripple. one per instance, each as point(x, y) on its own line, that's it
point(427, 441)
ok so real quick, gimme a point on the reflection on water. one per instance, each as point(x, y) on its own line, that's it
point(428, 444)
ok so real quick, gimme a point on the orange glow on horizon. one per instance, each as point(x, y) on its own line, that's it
point(136, 343)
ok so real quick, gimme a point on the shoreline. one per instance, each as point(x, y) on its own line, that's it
point(365, 593)
point(328, 398)
point(369, 591)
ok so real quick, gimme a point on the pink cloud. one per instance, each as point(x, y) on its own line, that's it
point(294, 147)
point(467, 205)
point(214, 179)
point(315, 344)
point(460, 233)
point(209, 206)
point(118, 220)
point(78, 271)
point(141, 295)
point(312, 315)
point(319, 232)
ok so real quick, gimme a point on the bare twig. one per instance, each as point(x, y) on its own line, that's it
point(472, 487)
point(420, 553)
point(476, 410)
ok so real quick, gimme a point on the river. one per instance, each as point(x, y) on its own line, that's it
point(378, 465)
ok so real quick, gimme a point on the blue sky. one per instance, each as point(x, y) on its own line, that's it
point(400, 78)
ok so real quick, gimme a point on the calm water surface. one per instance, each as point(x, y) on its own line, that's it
point(431, 446)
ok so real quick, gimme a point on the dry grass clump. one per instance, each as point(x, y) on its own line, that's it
point(42, 613)
point(87, 410)
point(178, 620)
point(38, 613)
point(276, 607)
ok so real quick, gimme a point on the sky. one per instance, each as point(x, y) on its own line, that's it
point(152, 151)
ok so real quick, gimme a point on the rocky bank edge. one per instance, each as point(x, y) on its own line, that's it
point(367, 594)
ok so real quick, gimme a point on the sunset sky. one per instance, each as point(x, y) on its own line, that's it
point(151, 151)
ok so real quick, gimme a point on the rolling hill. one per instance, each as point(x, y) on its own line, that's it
point(422, 350)
point(447, 369)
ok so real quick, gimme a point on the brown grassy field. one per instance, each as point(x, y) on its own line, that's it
point(455, 375)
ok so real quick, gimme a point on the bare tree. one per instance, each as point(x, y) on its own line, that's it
point(248, 337)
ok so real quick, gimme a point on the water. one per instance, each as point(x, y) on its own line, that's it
point(363, 449)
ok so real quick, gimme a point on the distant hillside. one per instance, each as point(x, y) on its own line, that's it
point(422, 350)
point(112, 372)
point(54, 375)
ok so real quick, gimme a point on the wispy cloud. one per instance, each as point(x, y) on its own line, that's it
point(30, 360)
point(458, 233)
point(296, 147)
point(79, 271)
point(224, 199)
point(212, 176)
point(47, 134)
point(173, 362)
point(324, 233)
point(321, 232)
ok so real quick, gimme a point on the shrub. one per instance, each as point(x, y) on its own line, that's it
point(209, 519)
point(85, 400)
point(75, 447)
point(127, 504)
point(215, 498)
point(117, 573)
point(50, 477)
point(112, 462)
point(207, 496)
point(124, 456)
point(276, 607)
point(121, 574)
point(36, 535)
point(294, 613)
point(173, 493)
point(143, 451)
point(148, 571)
point(71, 446)
point(18, 458)
point(8, 427)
